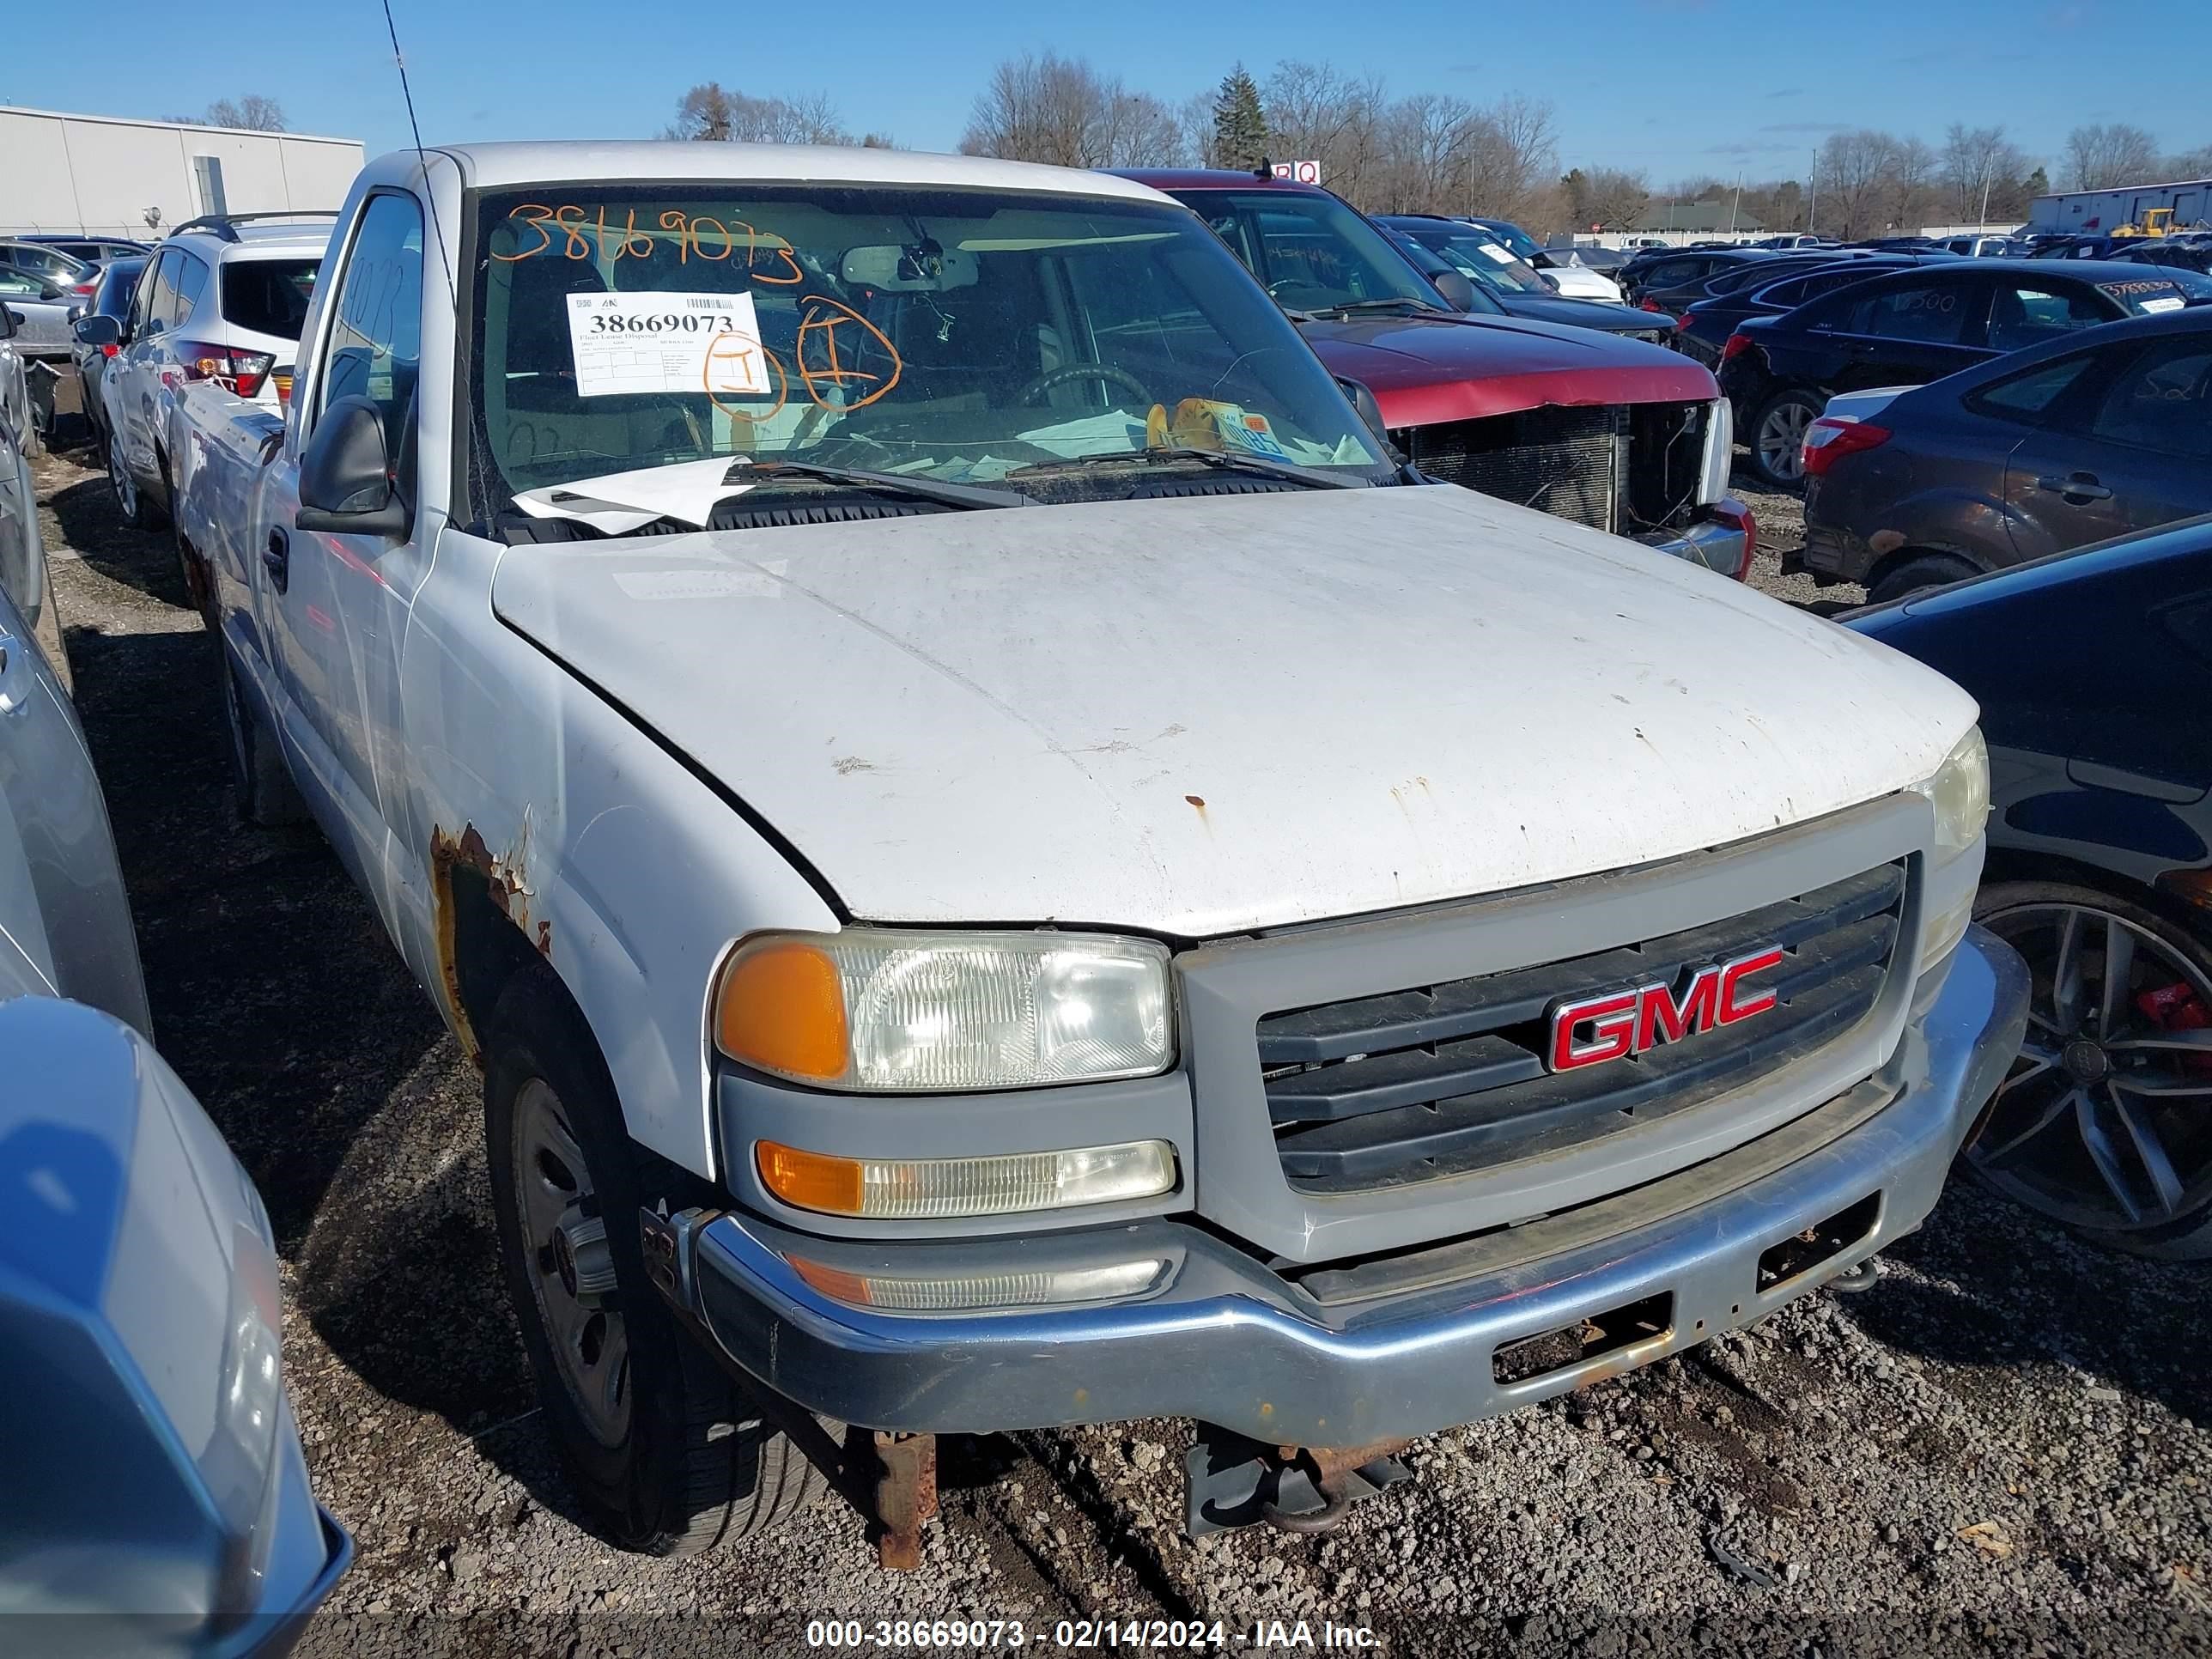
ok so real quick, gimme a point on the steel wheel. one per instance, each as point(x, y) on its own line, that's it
point(2105, 1122)
point(1780, 441)
point(572, 1275)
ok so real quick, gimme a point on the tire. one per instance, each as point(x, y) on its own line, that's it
point(129, 501)
point(2053, 1169)
point(1776, 435)
point(1920, 574)
point(262, 782)
point(668, 1452)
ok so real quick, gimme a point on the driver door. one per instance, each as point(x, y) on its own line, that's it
point(334, 608)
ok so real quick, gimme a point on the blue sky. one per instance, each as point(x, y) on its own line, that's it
point(1673, 86)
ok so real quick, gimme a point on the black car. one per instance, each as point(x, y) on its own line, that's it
point(1667, 268)
point(2092, 670)
point(1438, 247)
point(1673, 299)
point(118, 279)
point(1703, 329)
point(2089, 437)
point(2196, 254)
point(1914, 326)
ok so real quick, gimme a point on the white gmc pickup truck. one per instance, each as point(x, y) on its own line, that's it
point(1007, 865)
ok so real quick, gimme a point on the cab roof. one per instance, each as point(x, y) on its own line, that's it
point(502, 165)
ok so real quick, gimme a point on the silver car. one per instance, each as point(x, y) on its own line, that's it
point(64, 922)
point(22, 555)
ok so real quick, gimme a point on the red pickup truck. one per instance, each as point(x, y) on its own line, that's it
point(1616, 434)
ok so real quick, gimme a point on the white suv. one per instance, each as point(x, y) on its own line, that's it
point(222, 299)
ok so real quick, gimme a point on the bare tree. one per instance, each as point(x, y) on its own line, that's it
point(1858, 181)
point(1514, 158)
point(1317, 113)
point(2189, 164)
point(710, 111)
point(1980, 166)
point(1044, 107)
point(2101, 156)
point(1604, 197)
point(254, 112)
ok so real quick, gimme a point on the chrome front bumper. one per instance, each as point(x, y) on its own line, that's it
point(1718, 543)
point(1346, 1357)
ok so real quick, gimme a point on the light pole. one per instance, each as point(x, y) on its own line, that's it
point(1813, 207)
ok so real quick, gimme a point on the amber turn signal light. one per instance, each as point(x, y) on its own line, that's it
point(782, 1010)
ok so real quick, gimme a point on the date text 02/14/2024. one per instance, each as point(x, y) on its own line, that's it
point(1087, 1635)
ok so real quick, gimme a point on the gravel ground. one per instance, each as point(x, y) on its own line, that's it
point(1998, 1449)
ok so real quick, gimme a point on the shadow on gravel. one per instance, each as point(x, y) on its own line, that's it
point(278, 1000)
point(2001, 1291)
point(142, 559)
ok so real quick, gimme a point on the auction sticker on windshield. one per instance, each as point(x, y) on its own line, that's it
point(661, 342)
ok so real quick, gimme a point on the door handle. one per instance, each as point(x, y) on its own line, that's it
point(277, 560)
point(16, 679)
point(2081, 487)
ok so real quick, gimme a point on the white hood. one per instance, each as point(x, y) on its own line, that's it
point(1193, 716)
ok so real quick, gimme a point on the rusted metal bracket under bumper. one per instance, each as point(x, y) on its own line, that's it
point(1216, 1336)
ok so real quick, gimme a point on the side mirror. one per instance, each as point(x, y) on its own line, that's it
point(1363, 399)
point(345, 476)
point(10, 320)
point(99, 330)
point(1458, 290)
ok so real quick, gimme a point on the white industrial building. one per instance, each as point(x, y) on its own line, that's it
point(2101, 212)
point(102, 175)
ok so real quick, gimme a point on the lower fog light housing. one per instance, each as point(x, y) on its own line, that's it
point(1043, 1288)
point(944, 1188)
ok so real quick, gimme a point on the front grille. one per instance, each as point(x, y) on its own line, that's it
point(1438, 1080)
point(1569, 462)
point(1623, 467)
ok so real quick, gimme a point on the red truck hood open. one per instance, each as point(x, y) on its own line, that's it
point(1426, 370)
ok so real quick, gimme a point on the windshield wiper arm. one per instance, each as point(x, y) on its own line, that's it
point(1351, 305)
point(904, 483)
point(1227, 461)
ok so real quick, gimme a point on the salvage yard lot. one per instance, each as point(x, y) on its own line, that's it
point(2000, 1448)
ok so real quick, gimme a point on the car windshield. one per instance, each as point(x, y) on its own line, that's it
point(50, 262)
point(1519, 241)
point(1484, 260)
point(952, 336)
point(1312, 253)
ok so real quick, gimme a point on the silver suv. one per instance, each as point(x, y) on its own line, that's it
point(222, 299)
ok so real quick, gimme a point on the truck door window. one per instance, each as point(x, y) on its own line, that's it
point(375, 340)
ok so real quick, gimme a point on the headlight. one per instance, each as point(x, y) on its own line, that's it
point(1960, 791)
point(1720, 453)
point(878, 1010)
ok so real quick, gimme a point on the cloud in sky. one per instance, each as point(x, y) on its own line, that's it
point(1804, 126)
point(1787, 92)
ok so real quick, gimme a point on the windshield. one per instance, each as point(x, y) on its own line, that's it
point(50, 262)
point(1432, 265)
point(947, 335)
point(1519, 241)
point(1483, 259)
point(1312, 252)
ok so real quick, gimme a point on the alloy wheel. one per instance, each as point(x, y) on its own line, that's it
point(1782, 439)
point(571, 1275)
point(2104, 1121)
point(126, 487)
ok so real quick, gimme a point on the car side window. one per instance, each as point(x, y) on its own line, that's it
point(192, 282)
point(2025, 313)
point(374, 342)
point(1926, 313)
point(161, 308)
point(2030, 395)
point(2162, 400)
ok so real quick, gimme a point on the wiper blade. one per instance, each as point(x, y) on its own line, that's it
point(902, 483)
point(1351, 305)
point(1225, 460)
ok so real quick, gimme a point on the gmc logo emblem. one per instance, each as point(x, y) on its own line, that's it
point(1598, 1029)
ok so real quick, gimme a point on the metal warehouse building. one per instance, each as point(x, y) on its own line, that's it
point(2104, 211)
point(101, 175)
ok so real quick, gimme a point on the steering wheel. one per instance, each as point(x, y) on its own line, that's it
point(1072, 372)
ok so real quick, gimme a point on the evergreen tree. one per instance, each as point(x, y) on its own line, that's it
point(2039, 183)
point(1240, 125)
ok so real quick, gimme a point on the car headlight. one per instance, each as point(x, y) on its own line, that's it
point(1720, 453)
point(878, 1010)
point(1960, 792)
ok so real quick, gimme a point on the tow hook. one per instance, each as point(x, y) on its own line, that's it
point(1236, 1481)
